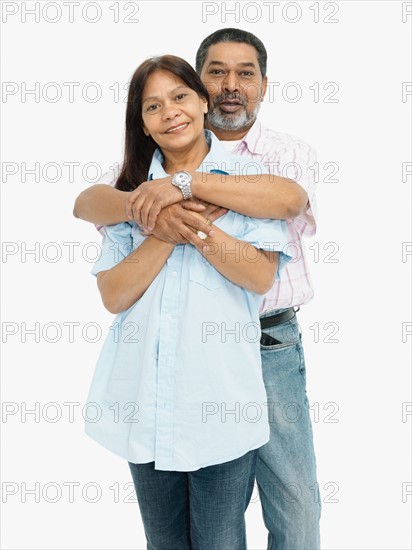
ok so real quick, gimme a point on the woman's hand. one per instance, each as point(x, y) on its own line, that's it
point(144, 203)
point(212, 211)
point(179, 223)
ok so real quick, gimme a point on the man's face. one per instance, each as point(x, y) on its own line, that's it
point(232, 76)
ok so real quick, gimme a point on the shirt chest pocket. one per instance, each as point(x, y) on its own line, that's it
point(202, 273)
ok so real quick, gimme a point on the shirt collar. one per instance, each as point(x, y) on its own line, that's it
point(252, 138)
point(216, 157)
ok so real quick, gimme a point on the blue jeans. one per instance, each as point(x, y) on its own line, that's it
point(286, 465)
point(201, 510)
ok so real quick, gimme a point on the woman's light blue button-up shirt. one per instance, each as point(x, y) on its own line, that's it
point(178, 380)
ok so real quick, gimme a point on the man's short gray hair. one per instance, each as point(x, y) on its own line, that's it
point(232, 35)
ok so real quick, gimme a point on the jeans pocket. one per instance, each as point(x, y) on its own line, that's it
point(280, 337)
point(266, 340)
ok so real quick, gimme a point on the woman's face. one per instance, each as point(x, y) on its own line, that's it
point(173, 113)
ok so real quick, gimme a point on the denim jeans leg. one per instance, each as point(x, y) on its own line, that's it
point(286, 465)
point(163, 499)
point(218, 499)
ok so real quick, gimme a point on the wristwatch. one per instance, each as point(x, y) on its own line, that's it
point(182, 180)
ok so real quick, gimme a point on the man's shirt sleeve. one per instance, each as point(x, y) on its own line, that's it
point(110, 178)
point(297, 161)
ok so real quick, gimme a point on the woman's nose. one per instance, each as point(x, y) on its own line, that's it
point(170, 112)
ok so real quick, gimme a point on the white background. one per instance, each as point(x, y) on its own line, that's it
point(358, 386)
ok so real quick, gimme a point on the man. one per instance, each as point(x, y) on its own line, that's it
point(232, 64)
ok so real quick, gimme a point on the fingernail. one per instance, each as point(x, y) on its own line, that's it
point(212, 233)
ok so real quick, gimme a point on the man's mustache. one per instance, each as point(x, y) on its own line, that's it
point(223, 97)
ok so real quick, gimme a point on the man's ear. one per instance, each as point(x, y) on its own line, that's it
point(264, 87)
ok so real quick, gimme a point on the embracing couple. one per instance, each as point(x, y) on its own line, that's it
point(196, 262)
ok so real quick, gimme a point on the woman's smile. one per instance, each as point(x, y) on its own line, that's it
point(176, 129)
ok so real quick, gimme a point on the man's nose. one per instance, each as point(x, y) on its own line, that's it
point(231, 83)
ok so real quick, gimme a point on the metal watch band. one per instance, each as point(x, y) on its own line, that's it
point(184, 187)
point(186, 192)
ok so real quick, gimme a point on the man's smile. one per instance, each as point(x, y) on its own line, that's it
point(230, 103)
point(230, 106)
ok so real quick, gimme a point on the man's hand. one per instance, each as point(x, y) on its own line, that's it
point(144, 203)
point(179, 223)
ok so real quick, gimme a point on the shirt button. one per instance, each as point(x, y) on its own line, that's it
point(174, 274)
point(168, 316)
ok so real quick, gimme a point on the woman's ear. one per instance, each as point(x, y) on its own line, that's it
point(205, 105)
point(146, 131)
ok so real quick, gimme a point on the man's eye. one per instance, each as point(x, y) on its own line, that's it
point(216, 71)
point(246, 73)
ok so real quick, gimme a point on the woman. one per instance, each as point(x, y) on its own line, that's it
point(179, 381)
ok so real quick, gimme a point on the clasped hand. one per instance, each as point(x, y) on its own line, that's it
point(157, 207)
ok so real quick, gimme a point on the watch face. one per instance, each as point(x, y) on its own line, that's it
point(181, 178)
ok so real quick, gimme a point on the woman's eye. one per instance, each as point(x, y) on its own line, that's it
point(181, 96)
point(152, 107)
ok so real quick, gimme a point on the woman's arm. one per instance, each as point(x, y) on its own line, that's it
point(242, 263)
point(122, 285)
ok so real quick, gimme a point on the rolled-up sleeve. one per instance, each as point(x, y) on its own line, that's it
point(307, 160)
point(117, 244)
point(267, 235)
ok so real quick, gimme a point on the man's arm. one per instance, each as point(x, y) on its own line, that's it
point(256, 196)
point(101, 204)
point(270, 197)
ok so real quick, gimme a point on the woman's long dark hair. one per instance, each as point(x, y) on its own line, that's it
point(139, 148)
